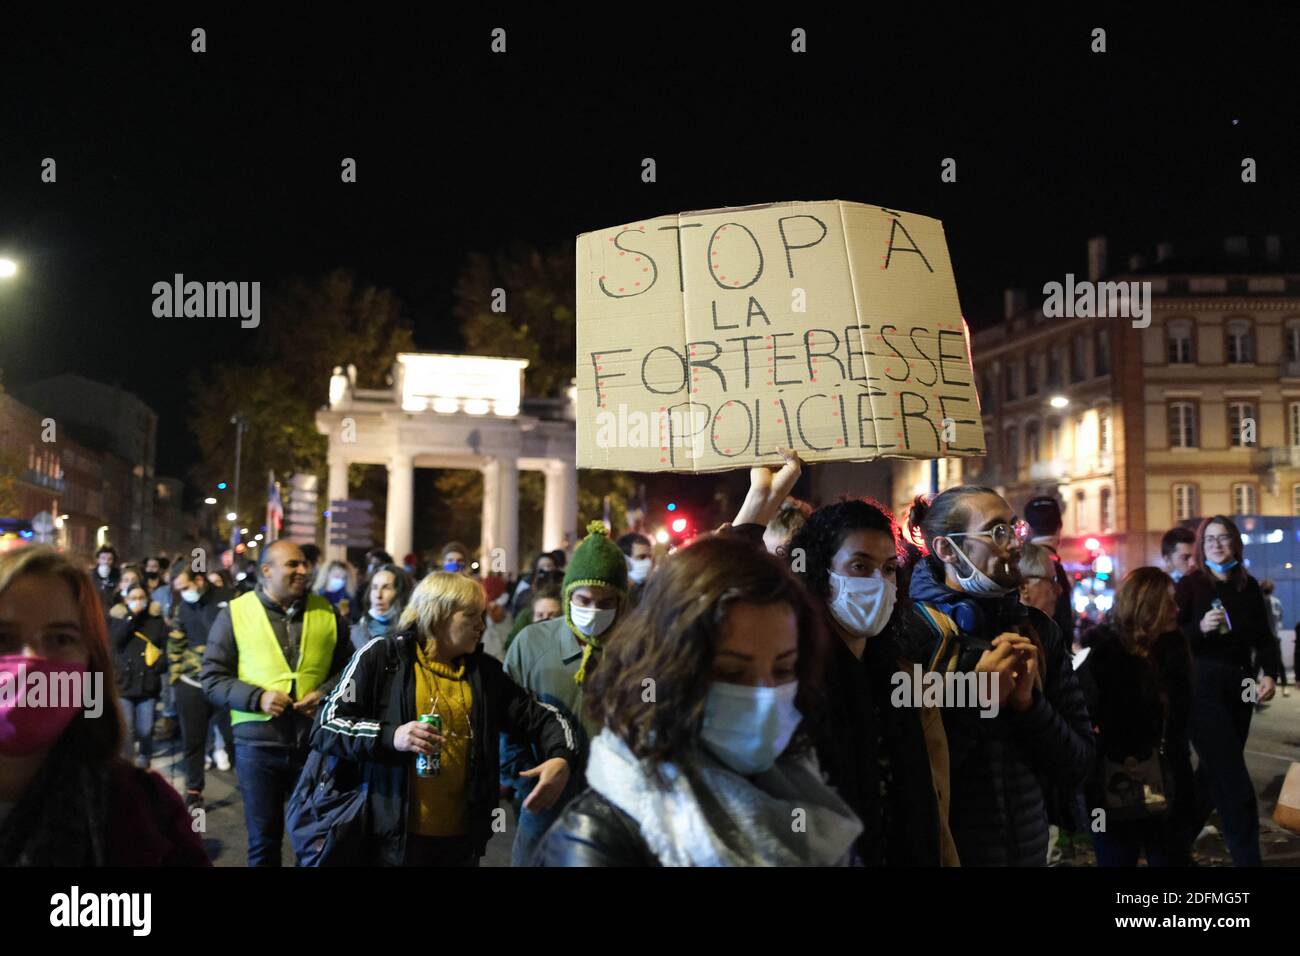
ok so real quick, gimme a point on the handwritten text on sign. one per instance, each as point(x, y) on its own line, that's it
point(706, 340)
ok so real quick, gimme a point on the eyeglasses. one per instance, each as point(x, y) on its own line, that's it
point(1223, 539)
point(1002, 534)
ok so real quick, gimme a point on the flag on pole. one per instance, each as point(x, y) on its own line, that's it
point(274, 509)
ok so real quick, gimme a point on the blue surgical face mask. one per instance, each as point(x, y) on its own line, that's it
point(190, 595)
point(452, 567)
point(1176, 575)
point(976, 582)
point(382, 618)
point(1221, 568)
point(336, 582)
point(748, 728)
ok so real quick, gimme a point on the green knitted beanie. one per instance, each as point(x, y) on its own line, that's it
point(596, 561)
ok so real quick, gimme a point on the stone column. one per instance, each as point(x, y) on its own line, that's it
point(401, 506)
point(337, 490)
point(561, 514)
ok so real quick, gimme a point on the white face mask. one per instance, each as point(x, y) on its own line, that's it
point(748, 728)
point(103, 570)
point(638, 569)
point(135, 607)
point(862, 605)
point(976, 583)
point(190, 595)
point(591, 621)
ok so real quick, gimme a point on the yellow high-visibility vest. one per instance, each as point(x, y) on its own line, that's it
point(262, 662)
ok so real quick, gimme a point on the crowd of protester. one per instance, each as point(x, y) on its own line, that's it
point(744, 699)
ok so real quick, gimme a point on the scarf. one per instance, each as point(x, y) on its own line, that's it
point(710, 815)
point(59, 820)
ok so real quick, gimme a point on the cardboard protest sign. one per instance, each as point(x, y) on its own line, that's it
point(707, 339)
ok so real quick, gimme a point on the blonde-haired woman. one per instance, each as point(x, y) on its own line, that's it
point(67, 796)
point(433, 664)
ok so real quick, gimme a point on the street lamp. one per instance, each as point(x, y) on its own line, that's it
point(231, 516)
point(8, 268)
point(1059, 401)
point(209, 501)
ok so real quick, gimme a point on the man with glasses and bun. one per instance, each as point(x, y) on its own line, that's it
point(966, 616)
point(1221, 611)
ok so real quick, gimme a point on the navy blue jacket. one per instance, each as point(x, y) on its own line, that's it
point(1004, 770)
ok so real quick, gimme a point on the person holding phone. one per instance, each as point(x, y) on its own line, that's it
point(1230, 644)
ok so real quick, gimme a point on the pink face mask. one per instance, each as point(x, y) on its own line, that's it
point(29, 686)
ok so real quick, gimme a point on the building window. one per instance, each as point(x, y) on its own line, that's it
point(1293, 420)
point(1053, 439)
point(1103, 430)
point(1292, 340)
point(1054, 367)
point(1184, 502)
point(1078, 359)
point(1106, 518)
point(1080, 502)
point(1241, 348)
point(1009, 391)
point(1180, 342)
point(1103, 352)
point(1242, 424)
point(1011, 454)
point(1243, 499)
point(1031, 441)
point(1031, 376)
point(988, 394)
point(1182, 425)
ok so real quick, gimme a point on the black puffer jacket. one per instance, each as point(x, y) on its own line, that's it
point(376, 694)
point(1006, 769)
point(135, 678)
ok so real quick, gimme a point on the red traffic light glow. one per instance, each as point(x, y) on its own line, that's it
point(679, 525)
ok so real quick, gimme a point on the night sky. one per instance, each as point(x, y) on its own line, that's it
point(225, 165)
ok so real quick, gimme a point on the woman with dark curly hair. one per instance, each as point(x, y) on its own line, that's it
point(889, 763)
point(706, 755)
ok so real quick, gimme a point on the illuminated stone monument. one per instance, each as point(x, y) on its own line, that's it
point(456, 411)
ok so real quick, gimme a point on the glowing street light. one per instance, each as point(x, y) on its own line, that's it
point(8, 268)
point(209, 501)
point(661, 536)
point(1059, 401)
point(231, 516)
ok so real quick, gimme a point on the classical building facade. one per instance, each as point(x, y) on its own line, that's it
point(455, 411)
point(1136, 429)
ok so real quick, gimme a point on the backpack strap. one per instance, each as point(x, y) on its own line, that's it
point(946, 630)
